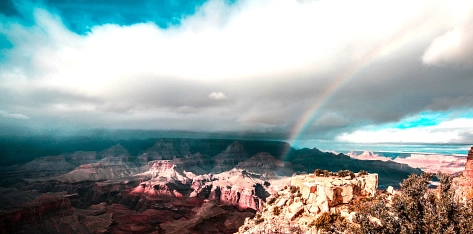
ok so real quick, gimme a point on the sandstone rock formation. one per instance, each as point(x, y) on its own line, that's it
point(237, 187)
point(335, 190)
point(469, 165)
point(463, 185)
point(307, 198)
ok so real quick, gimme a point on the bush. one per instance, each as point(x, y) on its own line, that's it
point(362, 172)
point(344, 173)
point(416, 209)
point(272, 200)
point(294, 189)
point(276, 210)
point(258, 219)
point(329, 222)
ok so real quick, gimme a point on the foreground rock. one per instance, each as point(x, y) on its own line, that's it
point(296, 208)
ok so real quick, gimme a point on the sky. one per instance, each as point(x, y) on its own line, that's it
point(364, 71)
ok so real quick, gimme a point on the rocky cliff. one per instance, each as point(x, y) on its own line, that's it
point(237, 187)
point(469, 164)
point(34, 211)
point(295, 208)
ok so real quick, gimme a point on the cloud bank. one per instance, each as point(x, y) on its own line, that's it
point(248, 66)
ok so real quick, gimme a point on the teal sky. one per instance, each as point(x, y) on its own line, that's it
point(422, 120)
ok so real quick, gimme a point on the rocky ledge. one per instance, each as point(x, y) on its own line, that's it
point(295, 208)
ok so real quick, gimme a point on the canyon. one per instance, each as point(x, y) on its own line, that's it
point(169, 186)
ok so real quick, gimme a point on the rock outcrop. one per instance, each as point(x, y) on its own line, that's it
point(237, 187)
point(390, 173)
point(469, 165)
point(308, 197)
point(334, 190)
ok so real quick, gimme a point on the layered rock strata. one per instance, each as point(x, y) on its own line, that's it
point(469, 165)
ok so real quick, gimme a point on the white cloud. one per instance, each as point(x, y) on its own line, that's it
point(454, 47)
point(451, 131)
point(217, 95)
point(269, 60)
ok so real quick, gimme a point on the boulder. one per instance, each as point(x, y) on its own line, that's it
point(294, 210)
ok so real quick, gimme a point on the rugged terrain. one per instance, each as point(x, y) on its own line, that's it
point(297, 208)
point(170, 186)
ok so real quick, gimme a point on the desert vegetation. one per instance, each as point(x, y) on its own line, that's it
point(417, 209)
point(414, 209)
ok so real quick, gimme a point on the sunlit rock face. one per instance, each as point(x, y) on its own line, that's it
point(335, 190)
point(306, 199)
point(469, 164)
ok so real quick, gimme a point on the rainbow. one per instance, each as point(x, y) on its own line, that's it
point(310, 115)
